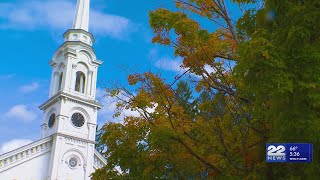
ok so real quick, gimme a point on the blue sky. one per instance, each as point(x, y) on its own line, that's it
point(32, 30)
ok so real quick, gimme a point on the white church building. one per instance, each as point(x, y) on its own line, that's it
point(66, 150)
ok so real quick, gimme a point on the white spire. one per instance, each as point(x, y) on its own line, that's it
point(81, 20)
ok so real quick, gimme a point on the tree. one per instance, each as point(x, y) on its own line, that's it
point(100, 146)
point(255, 82)
point(146, 149)
point(217, 137)
point(280, 71)
point(183, 96)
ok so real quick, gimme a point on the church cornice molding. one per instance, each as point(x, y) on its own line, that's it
point(65, 47)
point(99, 160)
point(68, 97)
point(25, 153)
point(70, 138)
point(52, 63)
point(69, 52)
point(79, 31)
point(66, 50)
point(23, 148)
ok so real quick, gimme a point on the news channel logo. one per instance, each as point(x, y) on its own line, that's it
point(288, 152)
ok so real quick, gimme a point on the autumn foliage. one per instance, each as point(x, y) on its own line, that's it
point(255, 79)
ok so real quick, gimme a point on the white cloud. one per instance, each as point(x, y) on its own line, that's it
point(100, 93)
point(209, 69)
point(21, 112)
point(112, 25)
point(170, 64)
point(13, 144)
point(110, 105)
point(29, 87)
point(174, 65)
point(59, 15)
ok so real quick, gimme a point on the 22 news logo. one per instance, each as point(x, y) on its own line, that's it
point(276, 153)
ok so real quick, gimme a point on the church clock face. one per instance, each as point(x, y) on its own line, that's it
point(73, 162)
point(77, 120)
point(52, 120)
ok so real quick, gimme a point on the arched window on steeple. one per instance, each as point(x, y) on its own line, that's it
point(60, 81)
point(80, 82)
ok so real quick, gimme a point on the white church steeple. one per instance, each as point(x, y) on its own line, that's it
point(66, 150)
point(70, 113)
point(81, 20)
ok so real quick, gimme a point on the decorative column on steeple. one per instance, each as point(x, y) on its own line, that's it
point(81, 20)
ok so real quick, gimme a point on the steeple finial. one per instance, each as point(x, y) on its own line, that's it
point(81, 20)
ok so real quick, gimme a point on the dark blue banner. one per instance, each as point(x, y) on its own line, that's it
point(288, 152)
